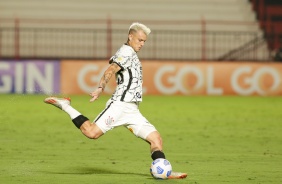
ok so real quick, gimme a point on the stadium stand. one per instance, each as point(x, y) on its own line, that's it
point(269, 13)
point(162, 10)
point(211, 30)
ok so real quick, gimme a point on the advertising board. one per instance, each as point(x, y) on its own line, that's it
point(182, 78)
point(29, 76)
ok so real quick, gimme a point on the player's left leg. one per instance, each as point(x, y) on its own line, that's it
point(148, 132)
point(155, 140)
point(156, 145)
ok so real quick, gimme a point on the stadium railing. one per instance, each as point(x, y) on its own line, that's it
point(199, 40)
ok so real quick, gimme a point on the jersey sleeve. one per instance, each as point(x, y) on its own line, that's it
point(122, 58)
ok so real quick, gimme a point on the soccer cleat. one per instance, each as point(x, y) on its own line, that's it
point(57, 102)
point(177, 175)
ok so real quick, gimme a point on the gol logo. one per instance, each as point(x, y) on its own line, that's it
point(178, 80)
point(244, 80)
point(263, 81)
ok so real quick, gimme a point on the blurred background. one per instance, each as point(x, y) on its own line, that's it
point(183, 31)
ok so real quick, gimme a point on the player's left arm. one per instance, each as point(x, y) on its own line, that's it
point(112, 70)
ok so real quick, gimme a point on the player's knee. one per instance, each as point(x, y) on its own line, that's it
point(91, 135)
point(91, 132)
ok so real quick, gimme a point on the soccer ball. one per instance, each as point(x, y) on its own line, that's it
point(160, 168)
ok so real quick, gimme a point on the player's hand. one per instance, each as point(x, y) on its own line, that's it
point(95, 94)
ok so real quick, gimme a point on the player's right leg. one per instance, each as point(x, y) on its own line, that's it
point(90, 130)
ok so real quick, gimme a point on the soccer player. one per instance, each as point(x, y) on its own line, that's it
point(122, 108)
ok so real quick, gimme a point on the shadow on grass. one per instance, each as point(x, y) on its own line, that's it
point(93, 170)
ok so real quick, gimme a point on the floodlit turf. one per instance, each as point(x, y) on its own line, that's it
point(214, 139)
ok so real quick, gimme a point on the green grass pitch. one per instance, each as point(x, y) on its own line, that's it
point(214, 139)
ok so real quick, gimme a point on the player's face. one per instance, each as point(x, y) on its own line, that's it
point(137, 40)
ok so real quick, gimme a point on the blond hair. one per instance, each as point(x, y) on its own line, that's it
point(136, 26)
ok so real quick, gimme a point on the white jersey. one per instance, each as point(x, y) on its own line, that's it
point(129, 78)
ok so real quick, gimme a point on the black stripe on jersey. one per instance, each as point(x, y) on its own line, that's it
point(103, 112)
point(128, 85)
point(120, 78)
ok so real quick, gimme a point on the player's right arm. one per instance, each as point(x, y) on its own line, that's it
point(112, 70)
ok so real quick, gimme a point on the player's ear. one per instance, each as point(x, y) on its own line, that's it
point(130, 37)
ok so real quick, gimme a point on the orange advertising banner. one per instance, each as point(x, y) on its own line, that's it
point(181, 78)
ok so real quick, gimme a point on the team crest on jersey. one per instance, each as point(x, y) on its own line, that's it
point(109, 121)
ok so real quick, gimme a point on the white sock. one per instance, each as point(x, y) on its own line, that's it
point(71, 111)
